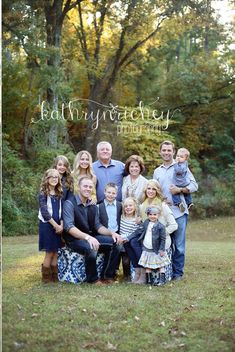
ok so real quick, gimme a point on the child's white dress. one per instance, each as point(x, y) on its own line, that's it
point(149, 259)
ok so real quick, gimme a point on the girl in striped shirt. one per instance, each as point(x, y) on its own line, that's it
point(129, 223)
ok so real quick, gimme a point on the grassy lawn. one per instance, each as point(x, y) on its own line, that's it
point(195, 314)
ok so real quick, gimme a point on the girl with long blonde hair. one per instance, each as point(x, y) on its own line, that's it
point(82, 166)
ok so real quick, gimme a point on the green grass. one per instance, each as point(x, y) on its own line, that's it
point(195, 314)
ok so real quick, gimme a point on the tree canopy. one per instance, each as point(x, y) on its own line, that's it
point(131, 64)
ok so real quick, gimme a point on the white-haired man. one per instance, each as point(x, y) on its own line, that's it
point(107, 170)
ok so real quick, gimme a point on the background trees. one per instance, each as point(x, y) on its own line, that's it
point(118, 53)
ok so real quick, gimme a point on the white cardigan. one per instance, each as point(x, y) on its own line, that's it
point(135, 189)
point(49, 208)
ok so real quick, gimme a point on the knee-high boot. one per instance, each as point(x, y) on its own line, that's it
point(54, 273)
point(149, 278)
point(46, 274)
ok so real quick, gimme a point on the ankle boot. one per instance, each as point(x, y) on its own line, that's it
point(149, 278)
point(137, 275)
point(46, 274)
point(54, 273)
point(162, 279)
point(156, 280)
point(142, 278)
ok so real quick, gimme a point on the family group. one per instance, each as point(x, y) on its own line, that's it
point(109, 207)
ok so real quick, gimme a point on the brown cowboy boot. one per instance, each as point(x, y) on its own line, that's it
point(142, 278)
point(137, 275)
point(46, 274)
point(54, 273)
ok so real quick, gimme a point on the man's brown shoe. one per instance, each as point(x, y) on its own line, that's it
point(98, 283)
point(108, 281)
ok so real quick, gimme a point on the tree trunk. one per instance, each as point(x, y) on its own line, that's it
point(53, 29)
point(99, 126)
point(27, 118)
point(206, 39)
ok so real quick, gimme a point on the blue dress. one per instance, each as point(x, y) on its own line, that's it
point(49, 240)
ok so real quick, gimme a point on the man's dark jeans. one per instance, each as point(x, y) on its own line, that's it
point(134, 250)
point(111, 254)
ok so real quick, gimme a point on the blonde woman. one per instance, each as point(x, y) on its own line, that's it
point(153, 195)
point(82, 166)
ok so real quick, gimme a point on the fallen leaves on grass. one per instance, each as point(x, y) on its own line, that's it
point(34, 315)
point(173, 331)
point(190, 308)
point(89, 345)
point(137, 318)
point(162, 323)
point(18, 345)
point(174, 319)
point(173, 344)
point(111, 347)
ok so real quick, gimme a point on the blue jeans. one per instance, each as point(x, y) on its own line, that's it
point(111, 254)
point(178, 246)
point(177, 200)
point(134, 250)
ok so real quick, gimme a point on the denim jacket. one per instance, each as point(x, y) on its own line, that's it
point(158, 235)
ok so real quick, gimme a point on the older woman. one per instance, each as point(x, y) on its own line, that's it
point(134, 183)
point(153, 195)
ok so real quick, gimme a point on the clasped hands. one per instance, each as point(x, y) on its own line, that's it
point(117, 238)
point(94, 243)
point(174, 189)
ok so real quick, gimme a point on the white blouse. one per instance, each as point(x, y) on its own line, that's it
point(148, 242)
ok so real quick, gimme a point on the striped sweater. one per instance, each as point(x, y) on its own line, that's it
point(127, 227)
